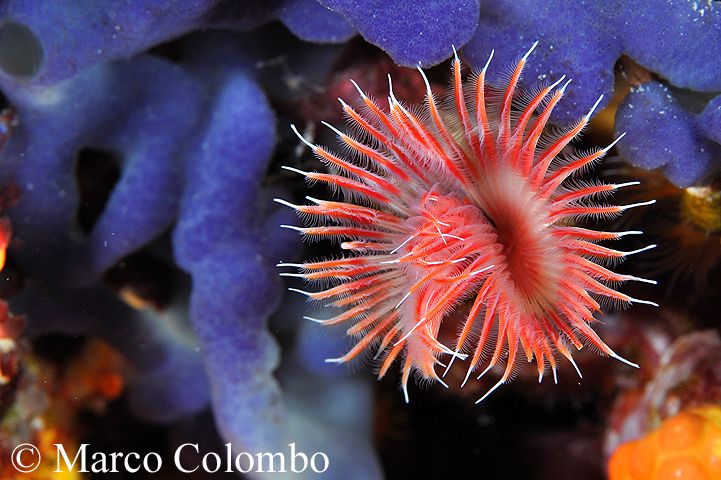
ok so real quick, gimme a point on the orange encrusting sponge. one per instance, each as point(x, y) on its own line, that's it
point(685, 447)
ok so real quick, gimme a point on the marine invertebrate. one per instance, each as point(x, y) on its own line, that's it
point(471, 202)
point(687, 375)
point(43, 42)
point(650, 114)
point(654, 36)
point(176, 160)
point(684, 446)
point(407, 30)
point(687, 224)
point(586, 40)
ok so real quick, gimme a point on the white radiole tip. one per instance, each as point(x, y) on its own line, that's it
point(357, 87)
point(488, 62)
point(293, 227)
point(593, 108)
point(393, 99)
point(425, 80)
point(626, 184)
point(294, 170)
point(639, 204)
point(557, 82)
point(489, 392)
point(573, 362)
point(335, 130)
point(530, 51)
point(302, 292)
point(301, 137)
point(314, 320)
point(623, 360)
point(613, 144)
point(565, 85)
point(285, 203)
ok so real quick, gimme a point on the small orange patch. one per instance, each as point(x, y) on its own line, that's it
point(5, 232)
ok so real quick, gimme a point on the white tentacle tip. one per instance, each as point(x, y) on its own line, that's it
point(448, 367)
point(575, 366)
point(301, 137)
point(335, 130)
point(285, 203)
point(639, 250)
point(335, 360)
point(425, 81)
point(489, 392)
point(293, 227)
point(357, 87)
point(613, 144)
point(626, 184)
point(639, 204)
point(294, 170)
point(488, 369)
point(302, 292)
point(593, 108)
point(488, 62)
point(530, 51)
point(314, 320)
point(405, 297)
point(390, 85)
point(642, 280)
point(643, 302)
point(562, 90)
point(557, 82)
point(468, 375)
point(629, 232)
point(616, 356)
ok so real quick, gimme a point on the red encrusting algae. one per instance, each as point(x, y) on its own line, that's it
point(464, 202)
